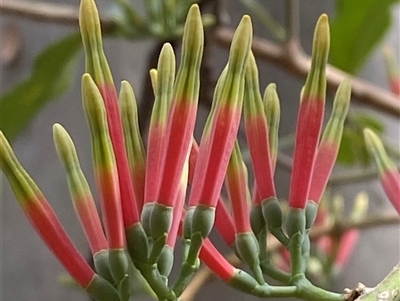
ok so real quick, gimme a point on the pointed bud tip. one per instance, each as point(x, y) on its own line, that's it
point(322, 34)
point(194, 14)
point(271, 87)
point(342, 97)
point(245, 27)
point(58, 133)
point(126, 87)
point(88, 10)
point(371, 139)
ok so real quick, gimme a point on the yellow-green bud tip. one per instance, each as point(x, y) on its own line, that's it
point(342, 98)
point(153, 78)
point(372, 140)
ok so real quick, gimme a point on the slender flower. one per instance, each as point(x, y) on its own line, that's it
point(310, 118)
point(182, 116)
point(97, 67)
point(346, 247)
point(163, 81)
point(159, 119)
point(272, 113)
point(238, 191)
point(80, 192)
point(330, 142)
point(388, 173)
point(257, 133)
point(392, 71)
point(106, 176)
point(181, 121)
point(104, 163)
point(166, 259)
point(134, 143)
point(224, 223)
point(217, 142)
point(42, 217)
point(227, 272)
point(223, 218)
point(222, 124)
point(236, 183)
point(179, 207)
point(215, 261)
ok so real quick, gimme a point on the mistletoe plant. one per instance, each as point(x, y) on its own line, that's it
point(143, 194)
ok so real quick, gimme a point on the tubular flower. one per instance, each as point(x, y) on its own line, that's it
point(97, 67)
point(47, 225)
point(181, 121)
point(223, 218)
point(80, 191)
point(148, 187)
point(220, 133)
point(310, 118)
point(330, 143)
point(257, 134)
point(272, 113)
point(106, 176)
point(134, 143)
point(388, 173)
point(246, 242)
point(163, 81)
point(392, 71)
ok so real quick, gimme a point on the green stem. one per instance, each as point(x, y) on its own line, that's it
point(272, 271)
point(307, 291)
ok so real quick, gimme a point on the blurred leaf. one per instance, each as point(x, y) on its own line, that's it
point(356, 29)
point(352, 148)
point(50, 78)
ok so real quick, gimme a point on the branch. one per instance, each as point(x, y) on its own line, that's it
point(387, 289)
point(292, 58)
point(289, 55)
point(62, 14)
point(205, 274)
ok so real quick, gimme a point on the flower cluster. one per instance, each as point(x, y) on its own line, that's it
point(145, 204)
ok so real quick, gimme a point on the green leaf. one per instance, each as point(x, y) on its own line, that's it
point(51, 76)
point(357, 28)
point(352, 149)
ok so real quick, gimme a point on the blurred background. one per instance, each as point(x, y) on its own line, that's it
point(28, 271)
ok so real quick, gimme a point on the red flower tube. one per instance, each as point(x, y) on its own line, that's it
point(310, 118)
point(106, 176)
point(42, 217)
point(158, 124)
point(182, 115)
point(134, 143)
point(222, 124)
point(236, 183)
point(330, 142)
point(392, 71)
point(223, 218)
point(257, 134)
point(215, 261)
point(346, 247)
point(80, 192)
point(388, 173)
point(97, 67)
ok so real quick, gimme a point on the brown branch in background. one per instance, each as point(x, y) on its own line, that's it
point(62, 14)
point(289, 56)
point(205, 274)
point(292, 58)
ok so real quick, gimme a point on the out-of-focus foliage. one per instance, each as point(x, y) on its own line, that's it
point(51, 76)
point(353, 149)
point(357, 28)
